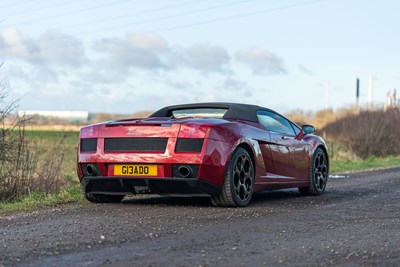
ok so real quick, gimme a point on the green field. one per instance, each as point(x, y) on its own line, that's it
point(43, 142)
point(47, 140)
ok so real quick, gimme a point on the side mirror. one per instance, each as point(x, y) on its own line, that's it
point(308, 129)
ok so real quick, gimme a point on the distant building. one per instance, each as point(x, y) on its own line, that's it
point(70, 116)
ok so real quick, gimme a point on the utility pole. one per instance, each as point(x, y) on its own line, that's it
point(357, 93)
point(370, 85)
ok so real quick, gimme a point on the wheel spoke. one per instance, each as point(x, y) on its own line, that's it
point(320, 171)
point(243, 177)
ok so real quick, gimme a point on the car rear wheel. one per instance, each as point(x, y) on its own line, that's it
point(99, 198)
point(319, 174)
point(238, 186)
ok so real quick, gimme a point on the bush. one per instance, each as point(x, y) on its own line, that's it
point(369, 133)
point(22, 169)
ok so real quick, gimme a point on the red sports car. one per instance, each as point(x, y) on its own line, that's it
point(225, 151)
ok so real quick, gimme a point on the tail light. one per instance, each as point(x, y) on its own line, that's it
point(89, 131)
point(193, 131)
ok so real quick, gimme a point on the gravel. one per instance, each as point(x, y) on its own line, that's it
point(355, 223)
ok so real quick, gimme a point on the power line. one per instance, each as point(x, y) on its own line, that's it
point(206, 21)
point(17, 4)
point(236, 16)
point(132, 14)
point(41, 8)
point(227, 18)
point(72, 12)
point(161, 18)
point(169, 17)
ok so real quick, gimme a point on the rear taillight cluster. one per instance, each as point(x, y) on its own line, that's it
point(191, 138)
point(88, 139)
point(193, 131)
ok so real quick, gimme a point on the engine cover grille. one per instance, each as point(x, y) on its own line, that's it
point(135, 144)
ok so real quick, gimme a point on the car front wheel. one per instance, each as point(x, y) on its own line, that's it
point(319, 174)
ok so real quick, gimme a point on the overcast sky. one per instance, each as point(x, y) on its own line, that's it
point(124, 56)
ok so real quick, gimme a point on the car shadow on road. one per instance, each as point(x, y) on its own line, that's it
point(257, 199)
point(167, 200)
point(274, 196)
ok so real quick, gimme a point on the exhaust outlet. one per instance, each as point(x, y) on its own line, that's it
point(185, 171)
point(91, 169)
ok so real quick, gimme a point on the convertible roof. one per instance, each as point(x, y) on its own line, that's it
point(235, 111)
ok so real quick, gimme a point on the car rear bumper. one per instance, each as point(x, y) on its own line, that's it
point(129, 186)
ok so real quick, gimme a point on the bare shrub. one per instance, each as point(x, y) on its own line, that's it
point(16, 160)
point(322, 117)
point(369, 133)
point(47, 178)
point(22, 170)
point(300, 117)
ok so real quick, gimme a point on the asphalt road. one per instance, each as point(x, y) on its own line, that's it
point(355, 223)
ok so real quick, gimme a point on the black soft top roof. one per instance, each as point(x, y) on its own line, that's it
point(235, 111)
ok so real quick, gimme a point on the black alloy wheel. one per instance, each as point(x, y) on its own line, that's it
point(319, 174)
point(238, 186)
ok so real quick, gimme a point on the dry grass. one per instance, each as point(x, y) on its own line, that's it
point(369, 133)
point(320, 118)
point(23, 169)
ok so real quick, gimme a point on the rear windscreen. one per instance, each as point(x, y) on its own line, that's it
point(199, 113)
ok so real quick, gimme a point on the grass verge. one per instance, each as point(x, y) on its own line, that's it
point(39, 200)
point(359, 164)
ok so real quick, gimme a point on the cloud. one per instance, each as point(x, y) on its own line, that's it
point(208, 58)
point(123, 55)
point(141, 68)
point(147, 41)
point(56, 47)
point(101, 75)
point(50, 48)
point(152, 52)
point(53, 89)
point(178, 85)
point(13, 43)
point(233, 85)
point(16, 72)
point(306, 70)
point(135, 51)
point(261, 61)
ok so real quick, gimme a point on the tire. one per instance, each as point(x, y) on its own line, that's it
point(238, 185)
point(319, 174)
point(99, 198)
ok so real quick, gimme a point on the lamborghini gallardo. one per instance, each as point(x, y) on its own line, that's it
point(224, 151)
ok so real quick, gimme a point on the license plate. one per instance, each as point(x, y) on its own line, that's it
point(135, 170)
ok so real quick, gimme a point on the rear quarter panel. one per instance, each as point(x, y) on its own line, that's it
point(234, 134)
